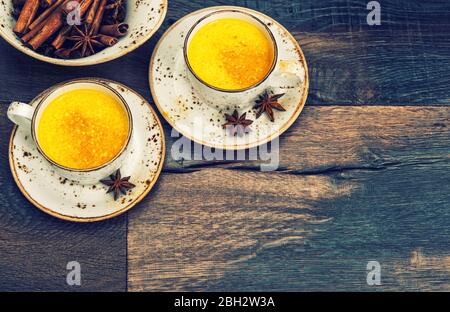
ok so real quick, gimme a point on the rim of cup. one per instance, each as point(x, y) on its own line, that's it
point(54, 88)
point(259, 21)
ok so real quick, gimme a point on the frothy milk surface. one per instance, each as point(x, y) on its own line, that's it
point(83, 129)
point(230, 54)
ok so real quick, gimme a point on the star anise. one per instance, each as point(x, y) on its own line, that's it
point(266, 103)
point(85, 41)
point(117, 184)
point(237, 124)
point(117, 10)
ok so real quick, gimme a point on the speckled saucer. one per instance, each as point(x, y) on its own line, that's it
point(68, 200)
point(187, 111)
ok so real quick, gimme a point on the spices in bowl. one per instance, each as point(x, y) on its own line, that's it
point(70, 28)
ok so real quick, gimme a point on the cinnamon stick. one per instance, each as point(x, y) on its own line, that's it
point(107, 40)
point(26, 16)
point(84, 6)
point(91, 13)
point(98, 17)
point(52, 25)
point(47, 32)
point(61, 37)
point(46, 28)
point(45, 14)
point(33, 32)
point(46, 3)
point(115, 30)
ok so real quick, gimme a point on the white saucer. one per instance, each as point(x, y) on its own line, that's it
point(185, 110)
point(68, 200)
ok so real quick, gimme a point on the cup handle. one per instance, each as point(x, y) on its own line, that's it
point(21, 114)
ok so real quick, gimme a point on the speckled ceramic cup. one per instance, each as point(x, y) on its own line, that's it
point(27, 116)
point(217, 96)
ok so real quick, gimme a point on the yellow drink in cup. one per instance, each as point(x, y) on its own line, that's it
point(83, 128)
point(230, 54)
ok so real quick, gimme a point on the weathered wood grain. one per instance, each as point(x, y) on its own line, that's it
point(404, 60)
point(340, 138)
point(355, 184)
point(35, 248)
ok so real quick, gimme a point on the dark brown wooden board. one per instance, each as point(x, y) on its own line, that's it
point(354, 184)
point(405, 60)
point(35, 248)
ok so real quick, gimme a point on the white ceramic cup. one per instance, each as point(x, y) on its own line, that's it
point(27, 117)
point(216, 96)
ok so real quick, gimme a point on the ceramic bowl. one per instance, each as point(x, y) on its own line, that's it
point(144, 18)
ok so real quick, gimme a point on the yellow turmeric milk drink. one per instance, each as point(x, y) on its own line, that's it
point(230, 54)
point(83, 129)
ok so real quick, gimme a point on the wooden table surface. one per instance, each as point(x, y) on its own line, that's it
point(364, 172)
